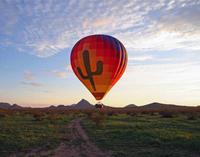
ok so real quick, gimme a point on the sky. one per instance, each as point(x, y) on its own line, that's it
point(162, 39)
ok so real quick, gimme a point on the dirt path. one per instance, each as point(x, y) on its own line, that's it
point(74, 144)
point(79, 144)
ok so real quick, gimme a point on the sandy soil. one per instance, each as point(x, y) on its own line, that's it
point(79, 145)
point(74, 144)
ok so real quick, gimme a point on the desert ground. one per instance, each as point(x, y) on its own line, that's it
point(100, 133)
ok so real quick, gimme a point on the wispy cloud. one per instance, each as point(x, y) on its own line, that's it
point(60, 74)
point(30, 79)
point(176, 29)
point(44, 28)
point(8, 18)
point(29, 76)
point(141, 58)
point(170, 82)
point(33, 84)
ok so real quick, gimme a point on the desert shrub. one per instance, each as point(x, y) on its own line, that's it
point(166, 114)
point(98, 118)
point(153, 113)
point(54, 117)
point(112, 113)
point(2, 115)
point(128, 113)
point(145, 112)
point(38, 116)
point(133, 114)
point(89, 114)
point(191, 116)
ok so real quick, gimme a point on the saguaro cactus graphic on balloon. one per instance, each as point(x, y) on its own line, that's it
point(90, 73)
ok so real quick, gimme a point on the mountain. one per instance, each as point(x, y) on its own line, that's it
point(156, 105)
point(52, 107)
point(4, 105)
point(83, 104)
point(15, 106)
point(131, 106)
point(62, 107)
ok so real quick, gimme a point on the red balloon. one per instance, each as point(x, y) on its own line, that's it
point(99, 62)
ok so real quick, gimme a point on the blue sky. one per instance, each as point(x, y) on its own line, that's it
point(162, 38)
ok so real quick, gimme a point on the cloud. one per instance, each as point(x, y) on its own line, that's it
point(141, 58)
point(30, 79)
point(168, 77)
point(60, 74)
point(44, 28)
point(29, 76)
point(177, 82)
point(33, 84)
point(101, 22)
point(7, 12)
point(176, 28)
point(63, 74)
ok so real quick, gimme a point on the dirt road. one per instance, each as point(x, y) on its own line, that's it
point(74, 144)
point(79, 144)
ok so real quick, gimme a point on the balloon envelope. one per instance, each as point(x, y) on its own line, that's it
point(98, 61)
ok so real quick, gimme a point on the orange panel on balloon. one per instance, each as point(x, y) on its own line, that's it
point(98, 61)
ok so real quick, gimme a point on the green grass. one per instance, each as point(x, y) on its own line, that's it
point(22, 132)
point(147, 136)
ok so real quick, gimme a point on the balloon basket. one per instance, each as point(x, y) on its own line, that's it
point(99, 105)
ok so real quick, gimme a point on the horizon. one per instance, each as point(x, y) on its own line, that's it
point(162, 40)
point(121, 106)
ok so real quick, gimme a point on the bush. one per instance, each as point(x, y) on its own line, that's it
point(129, 113)
point(133, 114)
point(98, 118)
point(38, 116)
point(2, 115)
point(112, 113)
point(153, 113)
point(166, 114)
point(54, 117)
point(89, 114)
point(191, 117)
point(145, 112)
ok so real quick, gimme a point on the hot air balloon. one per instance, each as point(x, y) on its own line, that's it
point(99, 62)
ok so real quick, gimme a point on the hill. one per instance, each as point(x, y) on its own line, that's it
point(83, 104)
point(4, 105)
point(156, 105)
point(131, 106)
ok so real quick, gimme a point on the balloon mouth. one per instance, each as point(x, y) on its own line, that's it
point(98, 96)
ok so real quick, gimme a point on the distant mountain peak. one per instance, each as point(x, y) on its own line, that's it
point(83, 104)
point(15, 106)
point(4, 105)
point(130, 106)
point(52, 106)
point(157, 105)
point(83, 101)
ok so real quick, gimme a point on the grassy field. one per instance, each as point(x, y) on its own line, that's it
point(25, 130)
point(147, 135)
point(123, 133)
